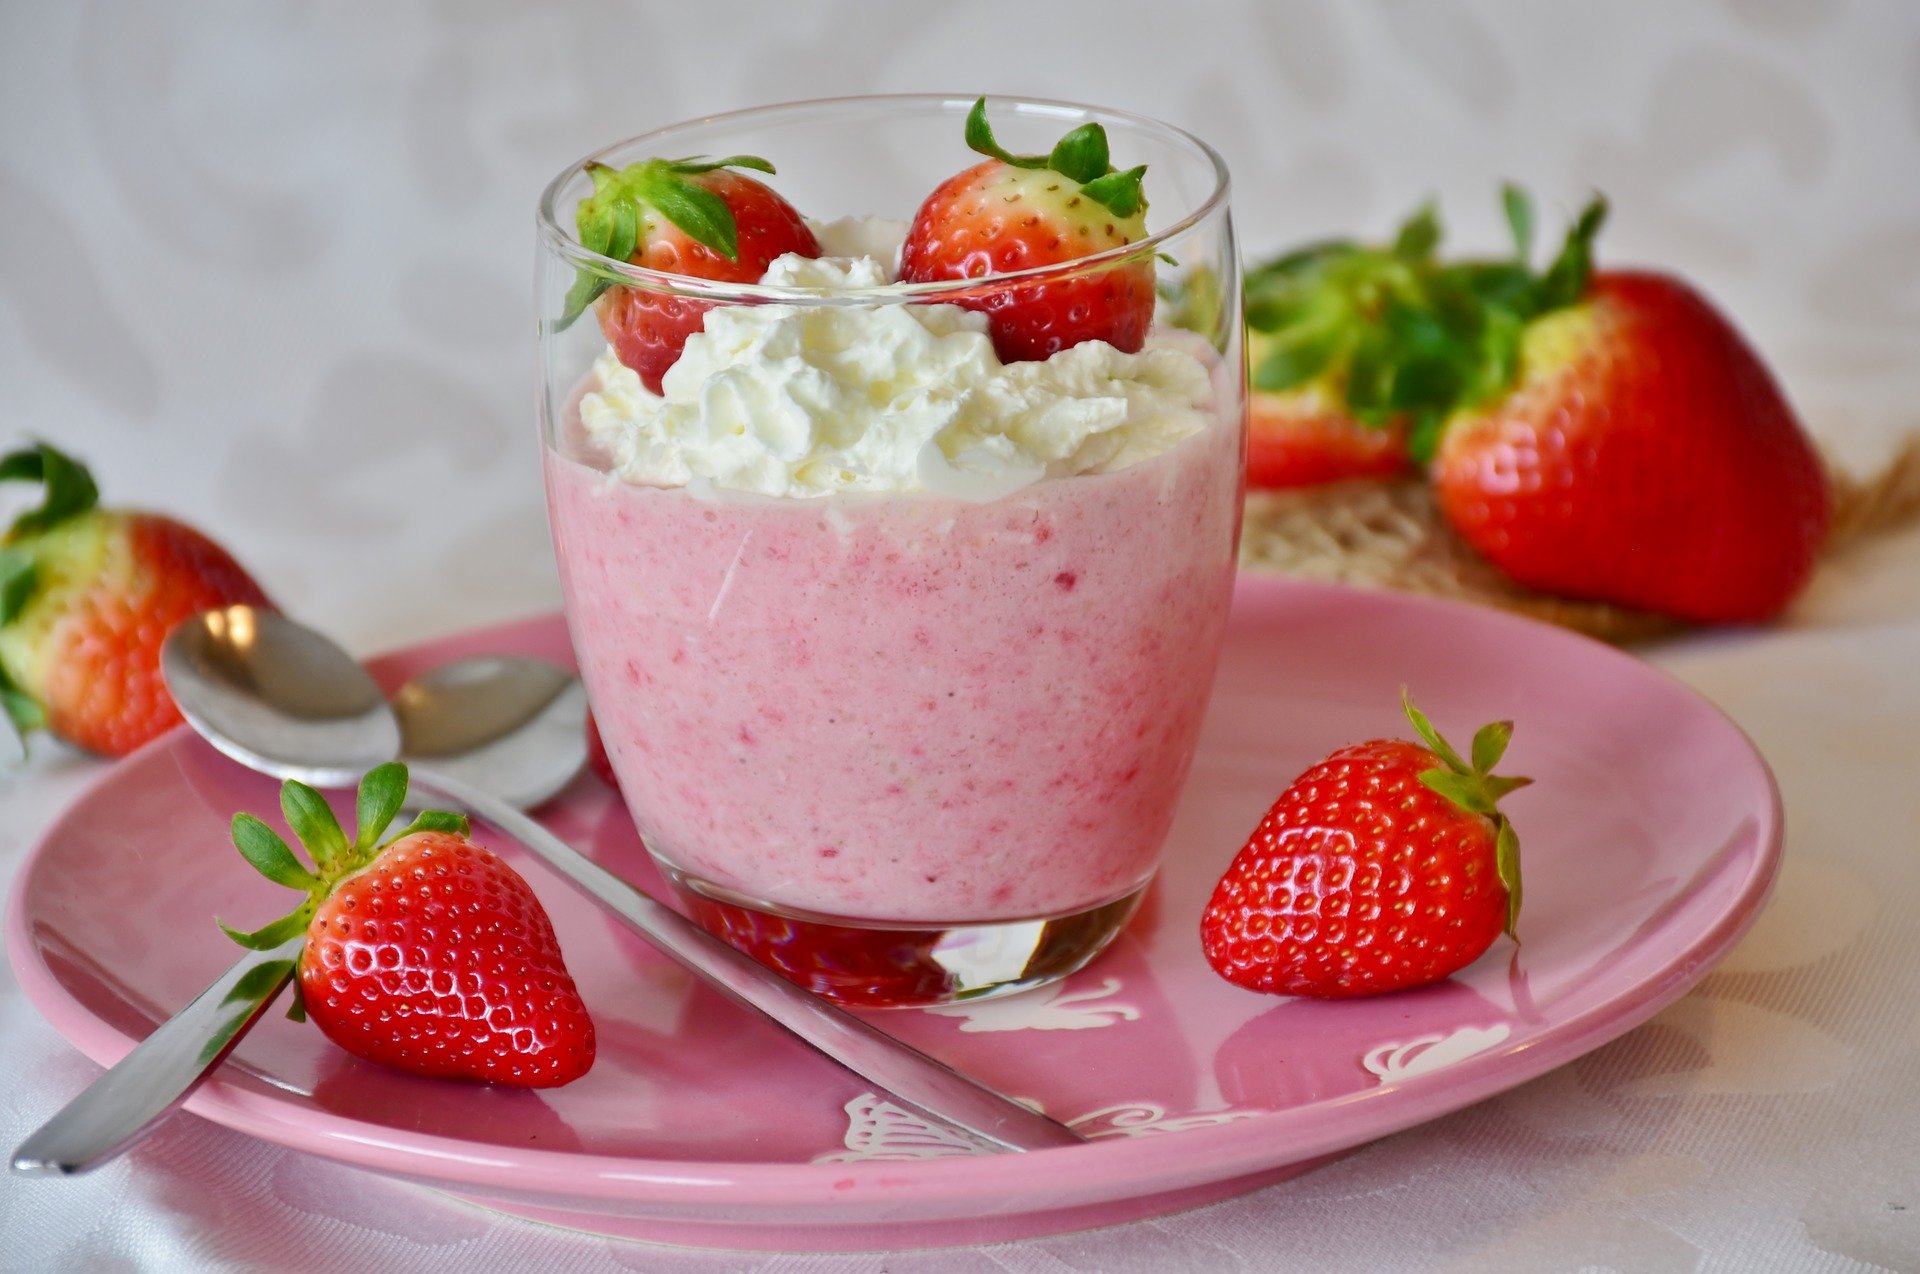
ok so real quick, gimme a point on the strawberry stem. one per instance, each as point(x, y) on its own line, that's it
point(608, 222)
point(1474, 788)
point(1080, 156)
point(1398, 335)
point(383, 790)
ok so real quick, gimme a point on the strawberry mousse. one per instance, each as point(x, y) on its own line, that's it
point(936, 658)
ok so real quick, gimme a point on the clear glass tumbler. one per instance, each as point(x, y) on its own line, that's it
point(904, 746)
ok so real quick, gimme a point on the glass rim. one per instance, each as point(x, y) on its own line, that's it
point(570, 248)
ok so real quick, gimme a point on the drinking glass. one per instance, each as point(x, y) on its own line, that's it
point(905, 746)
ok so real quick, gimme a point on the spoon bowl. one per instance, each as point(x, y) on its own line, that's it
point(512, 726)
point(278, 697)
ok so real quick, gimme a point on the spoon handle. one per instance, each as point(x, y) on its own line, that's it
point(124, 1104)
point(908, 1075)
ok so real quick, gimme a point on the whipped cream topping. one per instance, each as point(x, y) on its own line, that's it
point(876, 237)
point(803, 401)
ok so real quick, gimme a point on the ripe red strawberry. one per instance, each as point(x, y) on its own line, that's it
point(680, 216)
point(1018, 212)
point(87, 596)
point(1645, 456)
point(1607, 436)
point(426, 952)
point(1388, 865)
point(1301, 439)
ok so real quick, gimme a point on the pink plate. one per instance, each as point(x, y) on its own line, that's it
point(1651, 836)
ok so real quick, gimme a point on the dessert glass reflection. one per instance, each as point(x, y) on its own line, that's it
point(900, 652)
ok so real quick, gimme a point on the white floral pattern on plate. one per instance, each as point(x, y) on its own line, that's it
point(1142, 1119)
point(1051, 1008)
point(1393, 1062)
point(879, 1130)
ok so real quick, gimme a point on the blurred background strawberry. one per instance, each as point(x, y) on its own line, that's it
point(1608, 436)
point(87, 595)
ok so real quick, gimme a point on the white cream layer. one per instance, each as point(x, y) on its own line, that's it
point(803, 401)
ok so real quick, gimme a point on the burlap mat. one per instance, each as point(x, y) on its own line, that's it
point(1389, 534)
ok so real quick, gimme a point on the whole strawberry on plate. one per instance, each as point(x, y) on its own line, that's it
point(1020, 212)
point(425, 951)
point(692, 217)
point(1388, 865)
point(87, 596)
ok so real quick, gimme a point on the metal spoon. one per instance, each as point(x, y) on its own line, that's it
point(282, 699)
point(514, 725)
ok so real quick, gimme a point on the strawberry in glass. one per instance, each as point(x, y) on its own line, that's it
point(694, 217)
point(1019, 212)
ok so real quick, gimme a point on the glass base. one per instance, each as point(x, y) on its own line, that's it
point(865, 964)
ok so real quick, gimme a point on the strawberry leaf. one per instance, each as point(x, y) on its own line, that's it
point(695, 164)
point(979, 136)
point(1419, 236)
point(70, 490)
point(1472, 286)
point(1370, 374)
point(1499, 785)
point(702, 215)
point(383, 790)
point(1496, 357)
point(436, 821)
point(595, 224)
point(1519, 211)
point(1296, 357)
point(259, 982)
point(624, 235)
point(270, 856)
point(269, 936)
point(297, 1010)
point(1430, 736)
point(1119, 193)
point(1082, 154)
point(1423, 438)
point(587, 288)
point(1566, 279)
point(1506, 860)
point(1462, 789)
point(21, 708)
point(18, 576)
point(312, 820)
point(1490, 744)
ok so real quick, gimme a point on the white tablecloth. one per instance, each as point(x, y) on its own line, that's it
point(266, 266)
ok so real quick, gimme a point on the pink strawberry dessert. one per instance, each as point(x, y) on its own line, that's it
point(899, 647)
